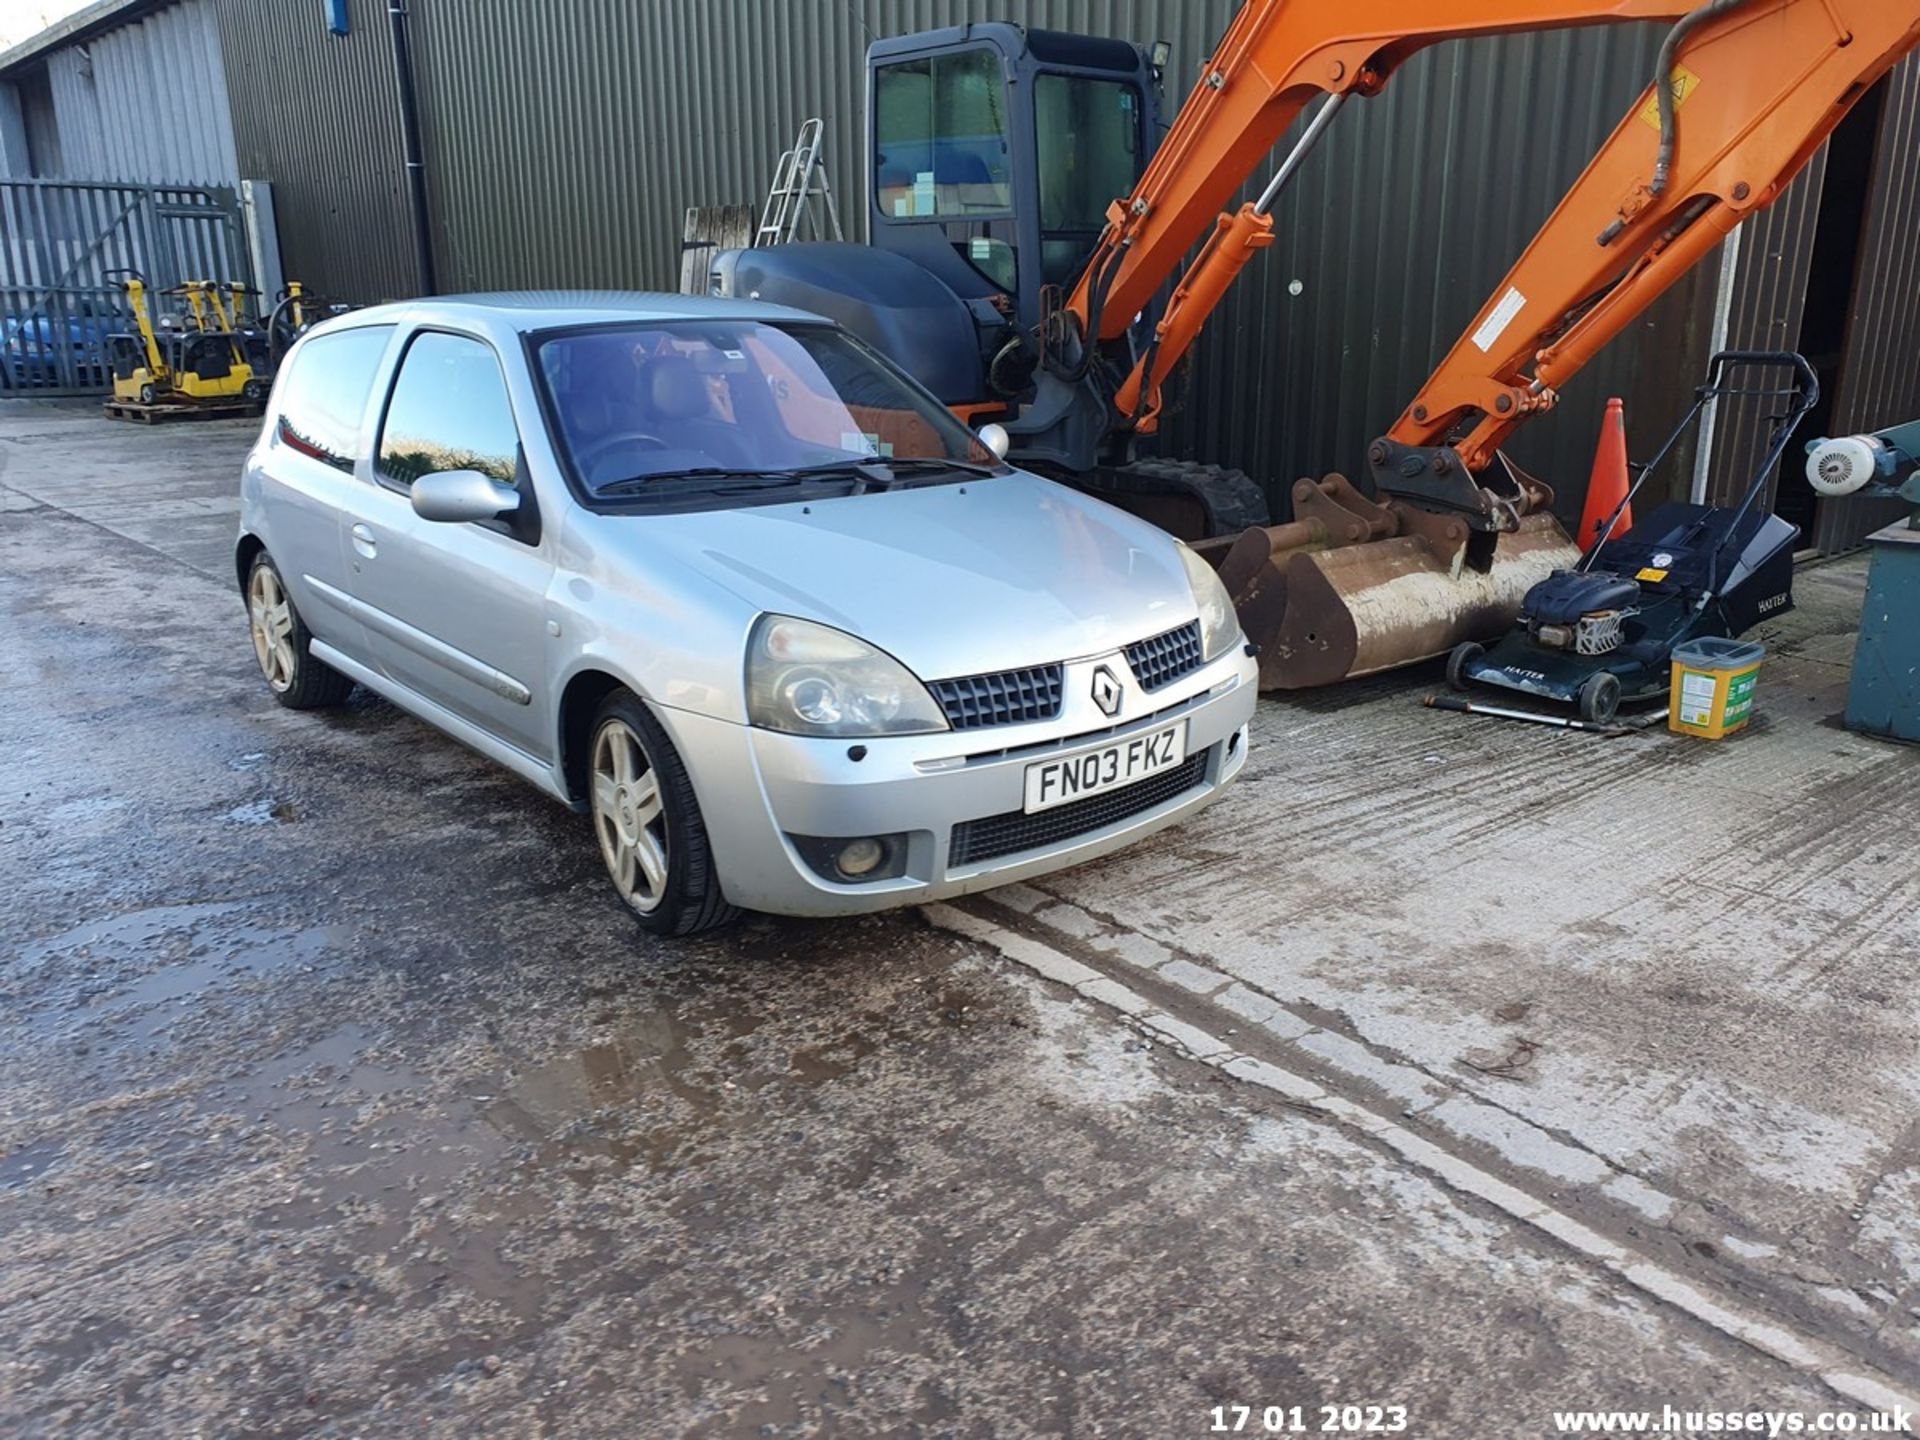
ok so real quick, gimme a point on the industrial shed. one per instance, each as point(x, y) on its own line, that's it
point(562, 143)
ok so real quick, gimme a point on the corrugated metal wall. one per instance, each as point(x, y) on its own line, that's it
point(1768, 301)
point(13, 134)
point(315, 114)
point(146, 102)
point(1880, 374)
point(1879, 380)
point(564, 139)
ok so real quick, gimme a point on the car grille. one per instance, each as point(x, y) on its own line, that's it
point(1003, 699)
point(1163, 659)
point(976, 841)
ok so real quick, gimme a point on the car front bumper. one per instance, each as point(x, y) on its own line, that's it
point(759, 789)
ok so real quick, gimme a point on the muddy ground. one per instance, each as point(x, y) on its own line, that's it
point(339, 1098)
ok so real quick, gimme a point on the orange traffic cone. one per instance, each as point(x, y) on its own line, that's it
point(1608, 487)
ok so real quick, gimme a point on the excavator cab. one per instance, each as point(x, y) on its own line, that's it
point(994, 154)
point(995, 150)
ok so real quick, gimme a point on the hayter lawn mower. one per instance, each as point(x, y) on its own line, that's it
point(1603, 633)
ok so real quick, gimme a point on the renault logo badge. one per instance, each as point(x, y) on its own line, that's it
point(1107, 693)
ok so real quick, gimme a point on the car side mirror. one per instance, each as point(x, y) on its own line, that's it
point(994, 436)
point(462, 495)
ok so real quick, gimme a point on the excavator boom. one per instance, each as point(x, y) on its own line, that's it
point(1755, 89)
point(1446, 536)
point(1759, 117)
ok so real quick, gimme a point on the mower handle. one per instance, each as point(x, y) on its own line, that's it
point(1809, 386)
point(1804, 376)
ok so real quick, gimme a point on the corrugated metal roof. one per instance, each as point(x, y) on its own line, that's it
point(81, 25)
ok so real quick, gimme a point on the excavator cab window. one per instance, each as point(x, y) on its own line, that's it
point(940, 131)
point(995, 150)
point(1087, 135)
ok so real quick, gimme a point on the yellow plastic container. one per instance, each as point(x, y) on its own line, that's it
point(1713, 685)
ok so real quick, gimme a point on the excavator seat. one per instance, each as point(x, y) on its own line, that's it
point(1566, 595)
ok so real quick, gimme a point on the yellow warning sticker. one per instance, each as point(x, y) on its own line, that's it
point(1651, 576)
point(1683, 82)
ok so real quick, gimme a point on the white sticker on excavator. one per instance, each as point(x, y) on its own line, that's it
point(1495, 325)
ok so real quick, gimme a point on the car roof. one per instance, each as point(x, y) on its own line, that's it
point(523, 310)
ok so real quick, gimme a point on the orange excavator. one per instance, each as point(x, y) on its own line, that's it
point(1437, 542)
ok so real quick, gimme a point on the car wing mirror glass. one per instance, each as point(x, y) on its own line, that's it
point(462, 495)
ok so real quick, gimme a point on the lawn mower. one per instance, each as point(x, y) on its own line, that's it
point(1603, 633)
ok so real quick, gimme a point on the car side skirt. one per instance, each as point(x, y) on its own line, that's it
point(530, 768)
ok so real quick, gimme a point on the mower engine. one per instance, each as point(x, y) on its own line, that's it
point(1579, 611)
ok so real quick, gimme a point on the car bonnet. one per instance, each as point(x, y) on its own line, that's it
point(953, 579)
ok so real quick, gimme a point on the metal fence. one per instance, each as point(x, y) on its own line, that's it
point(61, 243)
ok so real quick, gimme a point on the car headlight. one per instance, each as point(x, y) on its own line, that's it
point(1219, 626)
point(809, 679)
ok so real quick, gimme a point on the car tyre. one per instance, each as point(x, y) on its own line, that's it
point(1463, 655)
point(1600, 698)
point(281, 644)
point(648, 824)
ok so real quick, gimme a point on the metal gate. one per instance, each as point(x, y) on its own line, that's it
point(61, 241)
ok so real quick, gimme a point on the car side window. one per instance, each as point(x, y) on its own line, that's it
point(323, 397)
point(448, 411)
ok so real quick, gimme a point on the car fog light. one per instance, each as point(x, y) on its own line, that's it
point(857, 857)
point(854, 860)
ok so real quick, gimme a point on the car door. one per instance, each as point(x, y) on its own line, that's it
point(454, 611)
point(305, 473)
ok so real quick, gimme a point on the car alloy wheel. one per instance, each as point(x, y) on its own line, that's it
point(629, 816)
point(271, 617)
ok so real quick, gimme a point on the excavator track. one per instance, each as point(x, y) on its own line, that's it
point(1193, 501)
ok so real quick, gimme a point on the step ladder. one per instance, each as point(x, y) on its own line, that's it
point(800, 178)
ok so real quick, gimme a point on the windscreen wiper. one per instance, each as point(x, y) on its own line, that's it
point(702, 477)
point(863, 471)
point(922, 465)
point(885, 470)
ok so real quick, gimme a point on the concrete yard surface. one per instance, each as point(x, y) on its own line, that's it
point(1446, 1063)
point(1669, 983)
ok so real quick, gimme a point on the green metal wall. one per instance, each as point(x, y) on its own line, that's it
point(315, 114)
point(564, 139)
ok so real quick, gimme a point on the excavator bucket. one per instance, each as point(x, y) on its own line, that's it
point(1353, 586)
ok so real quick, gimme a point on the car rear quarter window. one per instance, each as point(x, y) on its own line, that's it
point(448, 411)
point(323, 397)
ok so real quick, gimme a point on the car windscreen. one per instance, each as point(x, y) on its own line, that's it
point(650, 409)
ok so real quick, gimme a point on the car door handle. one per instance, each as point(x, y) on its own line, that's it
point(363, 541)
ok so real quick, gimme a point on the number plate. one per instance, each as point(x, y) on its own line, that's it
point(1060, 782)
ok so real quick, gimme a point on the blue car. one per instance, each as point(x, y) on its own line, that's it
point(42, 351)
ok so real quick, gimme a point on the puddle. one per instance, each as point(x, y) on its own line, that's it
point(136, 927)
point(817, 1064)
point(789, 1380)
point(239, 954)
point(264, 812)
point(27, 1164)
point(91, 807)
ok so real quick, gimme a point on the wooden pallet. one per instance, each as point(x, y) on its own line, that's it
point(160, 413)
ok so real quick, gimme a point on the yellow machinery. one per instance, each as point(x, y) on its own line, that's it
point(209, 360)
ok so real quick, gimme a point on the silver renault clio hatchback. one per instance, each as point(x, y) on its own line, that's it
point(723, 578)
